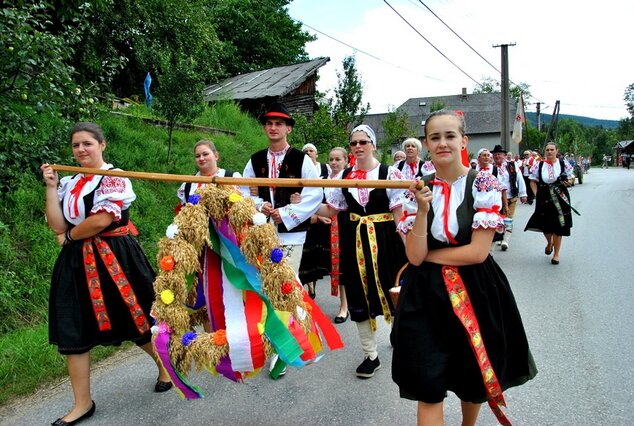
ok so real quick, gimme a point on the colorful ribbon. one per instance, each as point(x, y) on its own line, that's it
point(463, 309)
point(185, 390)
point(374, 250)
point(118, 277)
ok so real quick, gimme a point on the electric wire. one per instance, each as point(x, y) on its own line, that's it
point(432, 45)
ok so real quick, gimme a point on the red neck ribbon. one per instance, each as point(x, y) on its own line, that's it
point(76, 191)
point(446, 192)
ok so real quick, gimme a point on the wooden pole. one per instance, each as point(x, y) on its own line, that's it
point(241, 181)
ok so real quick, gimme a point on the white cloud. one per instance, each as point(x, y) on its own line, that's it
point(575, 52)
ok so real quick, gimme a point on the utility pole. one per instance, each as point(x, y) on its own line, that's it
point(538, 115)
point(506, 128)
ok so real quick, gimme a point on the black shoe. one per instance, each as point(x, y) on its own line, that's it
point(368, 367)
point(554, 262)
point(339, 320)
point(87, 414)
point(162, 386)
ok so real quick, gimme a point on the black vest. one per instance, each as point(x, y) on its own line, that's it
point(291, 167)
point(464, 214)
point(188, 185)
point(419, 170)
point(515, 187)
point(560, 180)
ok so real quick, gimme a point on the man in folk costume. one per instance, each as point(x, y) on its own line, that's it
point(514, 186)
point(280, 160)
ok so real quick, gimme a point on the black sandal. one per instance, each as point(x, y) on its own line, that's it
point(162, 386)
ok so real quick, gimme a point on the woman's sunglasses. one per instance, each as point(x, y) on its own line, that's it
point(355, 143)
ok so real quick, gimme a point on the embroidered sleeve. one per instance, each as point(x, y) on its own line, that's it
point(335, 198)
point(410, 207)
point(487, 198)
point(395, 195)
point(113, 195)
point(64, 186)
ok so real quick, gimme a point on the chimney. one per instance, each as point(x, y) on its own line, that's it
point(464, 92)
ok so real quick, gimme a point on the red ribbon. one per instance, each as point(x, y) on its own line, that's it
point(118, 277)
point(406, 215)
point(494, 209)
point(446, 192)
point(358, 174)
point(463, 309)
point(75, 192)
point(412, 167)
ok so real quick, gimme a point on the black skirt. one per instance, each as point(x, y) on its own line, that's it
point(432, 353)
point(72, 323)
point(546, 216)
point(315, 263)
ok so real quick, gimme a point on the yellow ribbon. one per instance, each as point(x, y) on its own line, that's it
point(369, 221)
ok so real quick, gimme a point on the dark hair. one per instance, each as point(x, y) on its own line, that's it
point(450, 112)
point(89, 127)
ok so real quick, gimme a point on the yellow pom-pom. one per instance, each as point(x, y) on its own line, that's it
point(167, 296)
point(234, 197)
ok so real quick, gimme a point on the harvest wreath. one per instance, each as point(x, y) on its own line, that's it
point(221, 266)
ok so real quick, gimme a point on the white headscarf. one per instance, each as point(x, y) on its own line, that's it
point(367, 130)
point(309, 145)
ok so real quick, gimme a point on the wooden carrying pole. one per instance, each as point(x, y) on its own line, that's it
point(241, 181)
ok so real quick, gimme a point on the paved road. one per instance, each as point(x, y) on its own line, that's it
point(577, 316)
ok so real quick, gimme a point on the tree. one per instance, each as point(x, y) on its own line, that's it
point(319, 130)
point(395, 128)
point(179, 92)
point(628, 97)
point(39, 98)
point(257, 34)
point(491, 85)
point(348, 109)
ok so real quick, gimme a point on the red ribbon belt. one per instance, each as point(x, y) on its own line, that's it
point(464, 311)
point(118, 277)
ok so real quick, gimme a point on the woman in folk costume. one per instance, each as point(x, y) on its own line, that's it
point(371, 250)
point(101, 289)
point(553, 212)
point(206, 156)
point(457, 327)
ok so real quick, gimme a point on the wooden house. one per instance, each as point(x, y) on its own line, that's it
point(294, 85)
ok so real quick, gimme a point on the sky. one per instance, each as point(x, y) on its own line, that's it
point(580, 53)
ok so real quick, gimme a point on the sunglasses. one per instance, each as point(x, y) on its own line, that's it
point(362, 143)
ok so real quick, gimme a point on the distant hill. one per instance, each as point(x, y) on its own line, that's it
point(586, 121)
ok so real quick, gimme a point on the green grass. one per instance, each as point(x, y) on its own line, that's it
point(28, 249)
point(27, 361)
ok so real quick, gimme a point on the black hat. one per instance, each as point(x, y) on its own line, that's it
point(277, 110)
point(498, 148)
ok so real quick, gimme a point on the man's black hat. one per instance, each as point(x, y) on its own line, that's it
point(498, 148)
point(277, 110)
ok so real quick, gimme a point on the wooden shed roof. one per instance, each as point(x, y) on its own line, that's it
point(272, 82)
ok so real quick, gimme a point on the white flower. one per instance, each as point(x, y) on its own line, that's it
point(301, 313)
point(171, 231)
point(259, 219)
point(77, 91)
point(154, 329)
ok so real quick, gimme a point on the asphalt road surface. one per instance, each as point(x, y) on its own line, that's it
point(577, 316)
